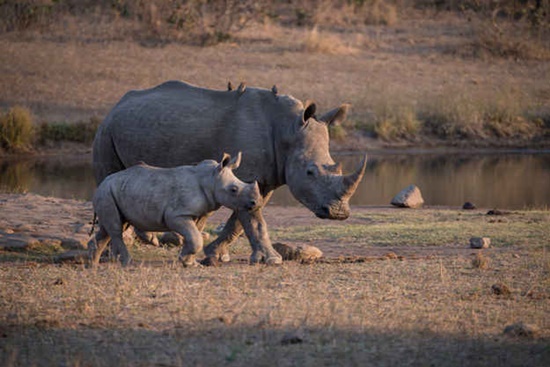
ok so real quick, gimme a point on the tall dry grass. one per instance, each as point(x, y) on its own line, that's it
point(16, 129)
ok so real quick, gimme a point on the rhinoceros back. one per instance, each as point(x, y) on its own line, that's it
point(178, 124)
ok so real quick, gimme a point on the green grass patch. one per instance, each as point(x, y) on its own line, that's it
point(80, 132)
point(430, 228)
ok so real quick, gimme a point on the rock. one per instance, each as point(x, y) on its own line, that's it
point(480, 242)
point(17, 241)
point(521, 330)
point(210, 261)
point(500, 289)
point(74, 256)
point(468, 206)
point(497, 212)
point(303, 253)
point(72, 244)
point(308, 254)
point(409, 197)
point(296, 337)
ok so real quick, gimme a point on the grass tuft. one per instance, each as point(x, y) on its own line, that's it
point(16, 129)
point(316, 41)
point(80, 132)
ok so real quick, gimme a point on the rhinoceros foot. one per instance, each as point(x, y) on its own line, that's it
point(210, 261)
point(259, 257)
point(274, 260)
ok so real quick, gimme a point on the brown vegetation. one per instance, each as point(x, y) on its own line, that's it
point(416, 72)
point(389, 280)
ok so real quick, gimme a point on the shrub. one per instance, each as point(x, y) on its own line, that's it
point(396, 123)
point(16, 129)
point(337, 132)
point(452, 115)
point(80, 132)
point(316, 41)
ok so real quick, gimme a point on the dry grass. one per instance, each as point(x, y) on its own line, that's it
point(426, 300)
point(82, 66)
point(339, 314)
point(16, 129)
point(317, 41)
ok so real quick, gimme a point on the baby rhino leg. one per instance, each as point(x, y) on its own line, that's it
point(186, 227)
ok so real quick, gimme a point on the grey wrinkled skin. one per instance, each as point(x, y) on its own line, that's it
point(177, 199)
point(283, 140)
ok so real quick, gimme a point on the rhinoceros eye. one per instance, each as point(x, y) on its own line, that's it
point(234, 189)
point(311, 171)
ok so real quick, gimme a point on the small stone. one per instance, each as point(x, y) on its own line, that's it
point(409, 197)
point(58, 281)
point(308, 254)
point(72, 244)
point(296, 337)
point(391, 256)
point(497, 212)
point(210, 261)
point(74, 256)
point(17, 241)
point(303, 253)
point(468, 206)
point(521, 330)
point(480, 242)
point(288, 252)
point(500, 289)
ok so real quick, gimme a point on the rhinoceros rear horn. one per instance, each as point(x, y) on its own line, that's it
point(350, 182)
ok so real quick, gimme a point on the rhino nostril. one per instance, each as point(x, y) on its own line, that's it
point(253, 203)
point(325, 209)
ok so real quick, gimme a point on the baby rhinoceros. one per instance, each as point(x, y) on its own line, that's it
point(167, 199)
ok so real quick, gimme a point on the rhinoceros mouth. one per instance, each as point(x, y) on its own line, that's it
point(336, 211)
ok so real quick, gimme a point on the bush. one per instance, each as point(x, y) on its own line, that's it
point(16, 129)
point(396, 123)
point(452, 116)
point(79, 132)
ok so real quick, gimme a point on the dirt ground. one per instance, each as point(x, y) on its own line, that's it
point(28, 221)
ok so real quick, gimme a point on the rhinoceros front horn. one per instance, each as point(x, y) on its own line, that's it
point(351, 181)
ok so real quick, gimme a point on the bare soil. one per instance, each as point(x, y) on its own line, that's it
point(29, 221)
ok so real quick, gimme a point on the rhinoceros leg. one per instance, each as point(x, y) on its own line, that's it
point(193, 238)
point(219, 248)
point(97, 245)
point(147, 237)
point(256, 231)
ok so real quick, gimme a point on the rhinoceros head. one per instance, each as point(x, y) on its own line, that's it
point(311, 174)
point(231, 192)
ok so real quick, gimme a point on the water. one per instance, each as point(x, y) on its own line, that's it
point(497, 180)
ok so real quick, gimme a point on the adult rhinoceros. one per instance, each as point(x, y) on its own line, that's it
point(281, 139)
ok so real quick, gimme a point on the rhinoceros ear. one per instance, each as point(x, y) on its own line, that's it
point(335, 116)
point(235, 162)
point(309, 111)
point(231, 163)
point(226, 158)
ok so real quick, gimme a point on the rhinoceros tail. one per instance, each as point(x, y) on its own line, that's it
point(106, 159)
point(94, 221)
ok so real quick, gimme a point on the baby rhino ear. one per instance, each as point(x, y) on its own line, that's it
point(231, 163)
